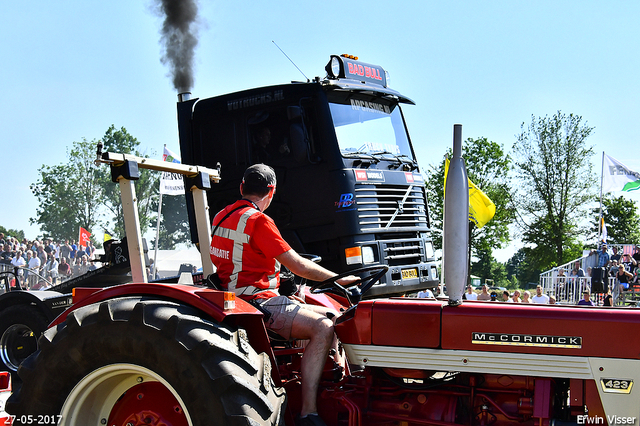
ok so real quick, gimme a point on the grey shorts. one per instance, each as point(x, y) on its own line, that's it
point(283, 310)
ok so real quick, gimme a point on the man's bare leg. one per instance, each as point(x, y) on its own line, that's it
point(318, 329)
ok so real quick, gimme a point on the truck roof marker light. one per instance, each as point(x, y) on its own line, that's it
point(346, 55)
point(353, 255)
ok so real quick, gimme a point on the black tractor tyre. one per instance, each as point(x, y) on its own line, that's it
point(146, 361)
point(20, 328)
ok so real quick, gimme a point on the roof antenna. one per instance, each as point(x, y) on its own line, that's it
point(291, 61)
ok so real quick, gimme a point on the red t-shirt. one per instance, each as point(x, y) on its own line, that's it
point(243, 249)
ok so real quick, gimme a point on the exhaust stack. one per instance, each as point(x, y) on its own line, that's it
point(184, 96)
point(456, 223)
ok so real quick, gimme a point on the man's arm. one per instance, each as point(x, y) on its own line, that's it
point(307, 269)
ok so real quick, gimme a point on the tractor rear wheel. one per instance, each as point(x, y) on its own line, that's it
point(20, 328)
point(145, 361)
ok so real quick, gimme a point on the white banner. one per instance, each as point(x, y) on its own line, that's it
point(618, 177)
point(171, 183)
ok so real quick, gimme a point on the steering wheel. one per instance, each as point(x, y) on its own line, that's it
point(358, 288)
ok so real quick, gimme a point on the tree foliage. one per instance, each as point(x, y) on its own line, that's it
point(487, 167)
point(621, 218)
point(121, 141)
point(487, 267)
point(174, 223)
point(68, 194)
point(79, 193)
point(12, 232)
point(556, 183)
point(522, 267)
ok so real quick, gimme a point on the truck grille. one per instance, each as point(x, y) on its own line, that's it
point(378, 208)
point(403, 252)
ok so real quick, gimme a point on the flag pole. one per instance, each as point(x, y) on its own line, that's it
point(601, 180)
point(155, 255)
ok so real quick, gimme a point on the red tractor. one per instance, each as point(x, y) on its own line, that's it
point(180, 354)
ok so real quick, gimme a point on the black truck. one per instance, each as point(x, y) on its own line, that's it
point(349, 186)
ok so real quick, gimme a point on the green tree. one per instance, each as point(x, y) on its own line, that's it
point(174, 223)
point(487, 167)
point(12, 232)
point(556, 182)
point(522, 267)
point(68, 194)
point(121, 141)
point(621, 218)
point(79, 193)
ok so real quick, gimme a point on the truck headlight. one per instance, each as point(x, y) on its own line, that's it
point(428, 247)
point(359, 255)
point(367, 255)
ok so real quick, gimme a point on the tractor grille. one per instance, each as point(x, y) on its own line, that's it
point(378, 208)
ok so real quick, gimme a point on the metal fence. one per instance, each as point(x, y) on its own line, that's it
point(567, 288)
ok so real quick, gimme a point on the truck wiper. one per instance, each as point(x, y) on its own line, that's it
point(364, 158)
point(405, 160)
point(357, 154)
point(402, 160)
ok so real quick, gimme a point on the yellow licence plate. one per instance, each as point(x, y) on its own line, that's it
point(409, 273)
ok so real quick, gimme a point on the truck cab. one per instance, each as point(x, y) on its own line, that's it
point(349, 188)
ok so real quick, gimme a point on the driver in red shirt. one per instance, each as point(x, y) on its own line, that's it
point(247, 250)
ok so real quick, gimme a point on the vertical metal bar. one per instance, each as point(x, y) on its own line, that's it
point(132, 226)
point(201, 208)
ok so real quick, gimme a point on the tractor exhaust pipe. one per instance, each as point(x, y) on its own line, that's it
point(184, 96)
point(456, 218)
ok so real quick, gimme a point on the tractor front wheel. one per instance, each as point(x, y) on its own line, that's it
point(143, 361)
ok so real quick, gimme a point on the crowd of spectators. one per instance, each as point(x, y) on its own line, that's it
point(44, 262)
point(624, 267)
point(506, 297)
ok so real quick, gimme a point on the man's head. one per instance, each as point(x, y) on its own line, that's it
point(614, 249)
point(604, 248)
point(586, 295)
point(263, 136)
point(539, 290)
point(258, 180)
point(469, 289)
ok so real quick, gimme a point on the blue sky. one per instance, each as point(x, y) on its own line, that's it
point(72, 68)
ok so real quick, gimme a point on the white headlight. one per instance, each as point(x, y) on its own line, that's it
point(367, 255)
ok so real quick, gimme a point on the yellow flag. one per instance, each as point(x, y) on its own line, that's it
point(481, 208)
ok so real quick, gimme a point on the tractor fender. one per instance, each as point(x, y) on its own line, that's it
point(208, 301)
point(49, 303)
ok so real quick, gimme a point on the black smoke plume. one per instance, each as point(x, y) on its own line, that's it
point(179, 39)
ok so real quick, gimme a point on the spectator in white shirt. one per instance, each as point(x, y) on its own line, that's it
point(540, 297)
point(470, 295)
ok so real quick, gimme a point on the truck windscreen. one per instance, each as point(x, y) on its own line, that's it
point(365, 127)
